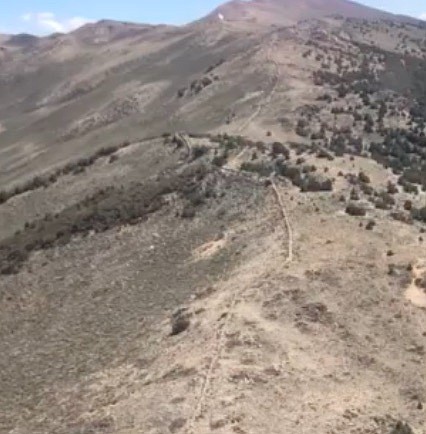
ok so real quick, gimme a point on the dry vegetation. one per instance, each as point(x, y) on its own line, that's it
point(264, 275)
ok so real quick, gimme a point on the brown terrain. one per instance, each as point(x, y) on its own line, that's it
point(215, 228)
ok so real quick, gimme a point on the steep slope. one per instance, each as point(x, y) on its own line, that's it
point(106, 83)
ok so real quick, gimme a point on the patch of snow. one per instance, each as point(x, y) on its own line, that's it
point(221, 17)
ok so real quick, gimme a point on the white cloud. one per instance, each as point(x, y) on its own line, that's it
point(423, 16)
point(48, 22)
point(26, 17)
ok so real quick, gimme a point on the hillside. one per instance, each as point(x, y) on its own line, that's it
point(284, 12)
point(215, 228)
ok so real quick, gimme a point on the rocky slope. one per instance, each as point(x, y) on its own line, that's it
point(261, 271)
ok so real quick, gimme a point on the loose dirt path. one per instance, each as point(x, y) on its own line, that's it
point(267, 100)
point(224, 326)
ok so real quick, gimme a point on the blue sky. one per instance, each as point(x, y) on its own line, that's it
point(47, 16)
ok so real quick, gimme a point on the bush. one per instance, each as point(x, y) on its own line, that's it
point(364, 178)
point(315, 183)
point(370, 225)
point(392, 188)
point(356, 210)
point(3, 197)
point(279, 149)
point(261, 168)
point(198, 152)
point(419, 214)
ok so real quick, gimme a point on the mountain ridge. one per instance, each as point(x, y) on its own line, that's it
point(284, 12)
point(289, 12)
point(216, 227)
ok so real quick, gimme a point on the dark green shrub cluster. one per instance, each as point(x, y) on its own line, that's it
point(106, 209)
point(261, 168)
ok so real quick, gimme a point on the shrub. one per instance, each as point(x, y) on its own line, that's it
point(392, 188)
point(261, 168)
point(408, 205)
point(315, 183)
point(279, 149)
point(419, 214)
point(356, 210)
point(370, 225)
point(198, 152)
point(3, 197)
point(364, 178)
point(220, 160)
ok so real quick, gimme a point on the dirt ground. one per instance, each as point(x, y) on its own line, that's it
point(170, 285)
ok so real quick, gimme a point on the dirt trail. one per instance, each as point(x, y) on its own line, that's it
point(236, 296)
point(267, 100)
point(286, 222)
point(224, 329)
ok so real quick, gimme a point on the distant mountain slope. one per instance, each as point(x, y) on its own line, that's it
point(65, 95)
point(284, 12)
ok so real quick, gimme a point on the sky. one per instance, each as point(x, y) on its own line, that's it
point(48, 16)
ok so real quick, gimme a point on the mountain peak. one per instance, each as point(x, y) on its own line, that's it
point(287, 12)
